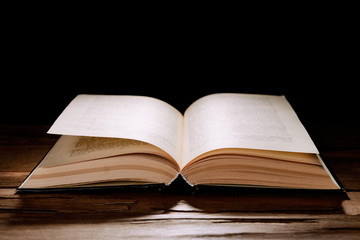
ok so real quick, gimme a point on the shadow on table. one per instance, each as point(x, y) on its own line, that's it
point(230, 199)
point(86, 206)
point(244, 199)
point(116, 205)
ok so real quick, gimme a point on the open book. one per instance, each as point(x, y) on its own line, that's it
point(222, 139)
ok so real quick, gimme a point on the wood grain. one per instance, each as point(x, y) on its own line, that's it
point(178, 213)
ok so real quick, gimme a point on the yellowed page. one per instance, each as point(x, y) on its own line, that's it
point(74, 149)
point(133, 117)
point(243, 121)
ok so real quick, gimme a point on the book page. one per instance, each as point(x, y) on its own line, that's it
point(74, 149)
point(132, 117)
point(243, 121)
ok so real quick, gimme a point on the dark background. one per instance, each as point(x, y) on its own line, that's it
point(323, 95)
point(311, 59)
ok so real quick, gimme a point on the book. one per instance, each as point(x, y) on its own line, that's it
point(223, 139)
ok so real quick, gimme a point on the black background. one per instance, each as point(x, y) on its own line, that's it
point(311, 59)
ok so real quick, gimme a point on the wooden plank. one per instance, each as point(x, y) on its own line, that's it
point(133, 215)
point(205, 214)
point(352, 206)
point(158, 201)
point(182, 225)
point(12, 179)
point(139, 202)
point(21, 157)
point(136, 214)
point(26, 135)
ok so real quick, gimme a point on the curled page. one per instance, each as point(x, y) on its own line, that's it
point(134, 117)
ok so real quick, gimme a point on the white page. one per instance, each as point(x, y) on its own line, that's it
point(134, 117)
point(243, 121)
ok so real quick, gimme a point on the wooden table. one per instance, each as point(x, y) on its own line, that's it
point(185, 214)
